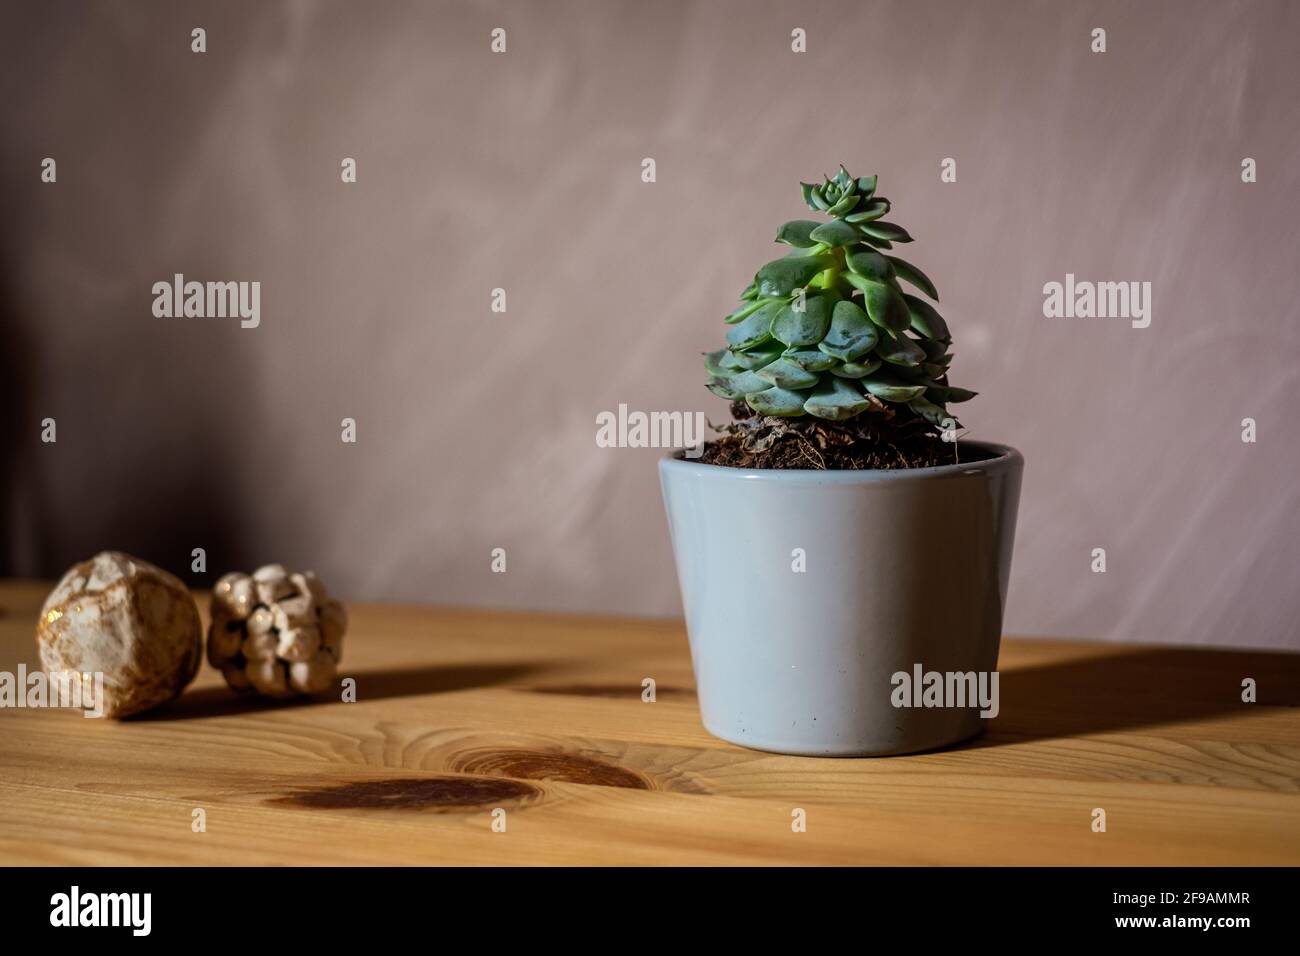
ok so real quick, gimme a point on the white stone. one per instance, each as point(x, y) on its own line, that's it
point(127, 619)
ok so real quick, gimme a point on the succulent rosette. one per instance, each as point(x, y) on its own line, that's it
point(829, 330)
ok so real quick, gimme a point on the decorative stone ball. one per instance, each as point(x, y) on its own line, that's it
point(122, 617)
point(276, 633)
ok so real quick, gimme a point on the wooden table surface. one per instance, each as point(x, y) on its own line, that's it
point(463, 712)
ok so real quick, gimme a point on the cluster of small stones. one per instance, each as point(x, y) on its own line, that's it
point(276, 633)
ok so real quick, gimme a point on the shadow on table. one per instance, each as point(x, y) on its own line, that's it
point(371, 685)
point(1129, 690)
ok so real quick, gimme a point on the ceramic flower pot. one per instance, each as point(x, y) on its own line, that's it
point(808, 592)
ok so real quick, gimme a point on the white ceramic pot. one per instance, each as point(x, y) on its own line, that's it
point(900, 568)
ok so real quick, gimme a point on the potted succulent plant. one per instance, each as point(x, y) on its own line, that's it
point(836, 534)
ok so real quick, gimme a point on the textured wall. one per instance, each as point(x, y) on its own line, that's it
point(522, 171)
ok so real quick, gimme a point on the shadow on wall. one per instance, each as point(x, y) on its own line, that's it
point(12, 414)
point(138, 462)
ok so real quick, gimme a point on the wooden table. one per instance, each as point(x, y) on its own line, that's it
point(460, 713)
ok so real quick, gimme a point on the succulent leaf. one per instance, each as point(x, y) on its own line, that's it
point(900, 351)
point(746, 382)
point(756, 357)
point(845, 205)
point(934, 351)
point(711, 363)
point(737, 385)
point(856, 369)
point(932, 413)
point(924, 318)
point(811, 360)
point(781, 402)
point(851, 334)
point(806, 326)
point(869, 264)
point(885, 230)
point(744, 312)
point(783, 276)
point(756, 329)
point(905, 270)
point(835, 399)
point(892, 389)
point(836, 233)
point(730, 364)
point(795, 233)
point(787, 374)
point(885, 306)
point(946, 394)
point(873, 210)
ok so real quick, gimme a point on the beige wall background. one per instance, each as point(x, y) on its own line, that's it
point(522, 171)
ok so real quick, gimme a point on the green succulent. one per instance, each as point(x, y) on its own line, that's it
point(828, 330)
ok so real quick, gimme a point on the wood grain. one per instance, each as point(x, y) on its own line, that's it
point(460, 712)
